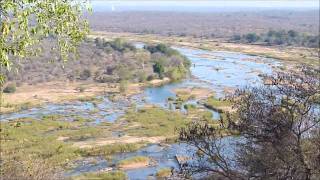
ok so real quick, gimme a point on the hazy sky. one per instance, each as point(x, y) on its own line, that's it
point(205, 5)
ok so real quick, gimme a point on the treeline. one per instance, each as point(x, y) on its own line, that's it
point(117, 45)
point(101, 61)
point(282, 37)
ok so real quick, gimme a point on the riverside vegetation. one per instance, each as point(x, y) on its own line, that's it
point(101, 67)
point(101, 61)
point(279, 123)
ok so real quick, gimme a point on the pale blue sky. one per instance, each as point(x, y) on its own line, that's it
point(182, 5)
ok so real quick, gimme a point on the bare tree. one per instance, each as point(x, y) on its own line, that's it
point(278, 126)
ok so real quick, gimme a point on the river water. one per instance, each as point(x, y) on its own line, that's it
point(218, 71)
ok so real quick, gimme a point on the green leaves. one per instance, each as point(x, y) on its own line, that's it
point(25, 23)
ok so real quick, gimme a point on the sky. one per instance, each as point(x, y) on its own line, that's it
point(208, 5)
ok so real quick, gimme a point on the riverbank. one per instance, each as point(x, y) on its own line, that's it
point(291, 56)
point(96, 134)
point(29, 96)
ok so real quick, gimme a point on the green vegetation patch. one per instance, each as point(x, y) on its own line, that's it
point(111, 149)
point(190, 107)
point(114, 175)
point(47, 139)
point(23, 138)
point(154, 122)
point(281, 37)
point(184, 96)
point(217, 104)
point(168, 62)
point(10, 88)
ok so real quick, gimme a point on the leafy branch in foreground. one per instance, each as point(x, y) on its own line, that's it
point(279, 129)
point(24, 23)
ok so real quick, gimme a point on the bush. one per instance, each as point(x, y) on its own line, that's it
point(133, 160)
point(10, 88)
point(86, 74)
point(176, 74)
point(236, 37)
point(251, 37)
point(162, 48)
point(142, 77)
point(280, 37)
point(123, 87)
point(114, 175)
point(81, 89)
point(151, 77)
point(159, 69)
point(164, 172)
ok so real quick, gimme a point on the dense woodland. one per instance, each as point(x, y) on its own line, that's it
point(102, 61)
point(281, 37)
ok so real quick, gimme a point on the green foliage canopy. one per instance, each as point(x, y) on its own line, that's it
point(24, 23)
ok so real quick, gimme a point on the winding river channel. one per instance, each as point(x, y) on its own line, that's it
point(218, 71)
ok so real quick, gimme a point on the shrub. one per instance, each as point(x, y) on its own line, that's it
point(189, 106)
point(251, 37)
point(176, 74)
point(86, 74)
point(133, 160)
point(162, 48)
point(159, 69)
point(81, 89)
point(151, 77)
point(142, 77)
point(164, 172)
point(10, 88)
point(114, 175)
point(123, 87)
point(236, 37)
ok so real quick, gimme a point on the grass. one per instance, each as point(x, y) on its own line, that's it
point(27, 138)
point(114, 175)
point(39, 139)
point(217, 104)
point(23, 138)
point(164, 172)
point(111, 149)
point(189, 107)
point(184, 96)
point(88, 99)
point(18, 107)
point(154, 121)
point(133, 160)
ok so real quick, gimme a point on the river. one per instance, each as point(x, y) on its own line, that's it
point(218, 71)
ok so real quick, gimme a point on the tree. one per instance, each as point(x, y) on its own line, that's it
point(158, 68)
point(252, 37)
point(24, 23)
point(279, 128)
point(143, 56)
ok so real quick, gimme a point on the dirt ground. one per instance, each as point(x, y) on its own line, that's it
point(123, 140)
point(197, 93)
point(58, 92)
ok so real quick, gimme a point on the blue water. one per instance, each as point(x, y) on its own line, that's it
point(164, 156)
point(214, 70)
point(217, 71)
